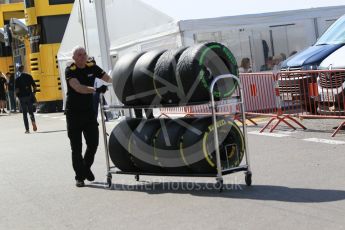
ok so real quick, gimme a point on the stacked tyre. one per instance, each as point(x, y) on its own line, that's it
point(179, 146)
point(177, 76)
point(180, 76)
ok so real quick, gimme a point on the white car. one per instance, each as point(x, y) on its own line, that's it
point(331, 86)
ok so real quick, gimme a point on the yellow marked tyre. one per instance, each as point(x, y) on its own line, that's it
point(167, 145)
point(199, 150)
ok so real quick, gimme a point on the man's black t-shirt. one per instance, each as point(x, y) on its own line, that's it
point(77, 102)
point(2, 84)
point(24, 84)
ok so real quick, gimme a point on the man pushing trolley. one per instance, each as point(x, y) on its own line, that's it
point(80, 114)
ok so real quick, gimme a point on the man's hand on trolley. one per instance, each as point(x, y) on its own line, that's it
point(102, 89)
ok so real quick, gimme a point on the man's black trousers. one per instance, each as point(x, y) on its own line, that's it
point(27, 106)
point(79, 124)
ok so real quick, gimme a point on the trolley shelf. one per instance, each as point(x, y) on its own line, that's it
point(169, 105)
point(224, 172)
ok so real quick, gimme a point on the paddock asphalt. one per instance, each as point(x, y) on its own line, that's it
point(298, 182)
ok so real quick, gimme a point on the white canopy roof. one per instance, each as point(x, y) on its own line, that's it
point(73, 34)
point(196, 9)
point(127, 20)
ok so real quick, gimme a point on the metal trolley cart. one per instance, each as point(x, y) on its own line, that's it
point(220, 172)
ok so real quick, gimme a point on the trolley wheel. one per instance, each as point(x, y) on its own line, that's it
point(137, 177)
point(219, 185)
point(109, 182)
point(248, 179)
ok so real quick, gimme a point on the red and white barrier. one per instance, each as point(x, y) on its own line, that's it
point(283, 97)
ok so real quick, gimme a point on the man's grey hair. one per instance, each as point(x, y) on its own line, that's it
point(76, 49)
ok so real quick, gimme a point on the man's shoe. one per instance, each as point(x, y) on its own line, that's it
point(34, 127)
point(79, 183)
point(27, 131)
point(89, 175)
point(3, 111)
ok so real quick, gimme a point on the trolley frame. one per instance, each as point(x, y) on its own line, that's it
point(220, 172)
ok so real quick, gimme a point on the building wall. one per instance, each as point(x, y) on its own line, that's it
point(262, 37)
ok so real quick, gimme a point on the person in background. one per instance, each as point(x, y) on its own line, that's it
point(148, 113)
point(283, 55)
point(80, 114)
point(277, 60)
point(17, 73)
point(25, 88)
point(3, 89)
point(245, 66)
point(293, 53)
point(268, 64)
point(11, 91)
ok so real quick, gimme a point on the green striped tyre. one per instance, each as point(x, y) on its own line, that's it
point(122, 78)
point(142, 78)
point(165, 77)
point(167, 145)
point(199, 65)
point(118, 145)
point(198, 150)
point(141, 145)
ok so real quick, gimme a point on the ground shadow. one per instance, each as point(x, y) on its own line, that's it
point(53, 131)
point(330, 131)
point(281, 127)
point(284, 128)
point(238, 191)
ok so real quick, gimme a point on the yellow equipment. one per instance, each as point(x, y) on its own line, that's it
point(6, 60)
point(46, 21)
point(35, 44)
point(8, 11)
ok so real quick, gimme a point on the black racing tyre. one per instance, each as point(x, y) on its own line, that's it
point(122, 78)
point(165, 82)
point(141, 146)
point(167, 146)
point(199, 65)
point(118, 145)
point(199, 150)
point(143, 77)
